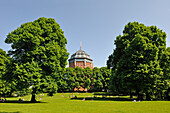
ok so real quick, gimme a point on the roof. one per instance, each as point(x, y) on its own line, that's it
point(80, 54)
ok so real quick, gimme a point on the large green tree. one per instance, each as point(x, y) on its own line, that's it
point(141, 64)
point(138, 61)
point(167, 73)
point(4, 62)
point(41, 45)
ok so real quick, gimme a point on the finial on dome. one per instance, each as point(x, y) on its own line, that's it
point(80, 45)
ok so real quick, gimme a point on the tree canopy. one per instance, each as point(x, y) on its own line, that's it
point(4, 61)
point(39, 53)
point(139, 61)
point(96, 79)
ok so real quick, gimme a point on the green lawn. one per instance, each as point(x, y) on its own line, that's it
point(61, 103)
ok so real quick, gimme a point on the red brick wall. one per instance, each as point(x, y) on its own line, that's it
point(72, 65)
point(80, 64)
point(89, 65)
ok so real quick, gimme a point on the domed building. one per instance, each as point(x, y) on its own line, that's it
point(80, 59)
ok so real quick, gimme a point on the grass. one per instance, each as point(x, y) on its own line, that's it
point(62, 103)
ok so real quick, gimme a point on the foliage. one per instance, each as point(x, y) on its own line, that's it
point(39, 45)
point(92, 80)
point(4, 61)
point(139, 62)
point(67, 82)
point(28, 77)
point(106, 74)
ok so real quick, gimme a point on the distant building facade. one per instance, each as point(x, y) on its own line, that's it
point(80, 59)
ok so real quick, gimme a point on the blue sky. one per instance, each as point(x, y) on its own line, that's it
point(95, 23)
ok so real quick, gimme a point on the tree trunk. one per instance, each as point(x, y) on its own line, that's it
point(50, 93)
point(168, 97)
point(162, 97)
point(33, 98)
point(148, 96)
point(167, 94)
point(138, 96)
point(33, 95)
point(131, 95)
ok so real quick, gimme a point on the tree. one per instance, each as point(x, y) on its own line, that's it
point(28, 77)
point(88, 73)
point(101, 78)
point(67, 82)
point(137, 62)
point(96, 80)
point(166, 78)
point(106, 74)
point(141, 64)
point(4, 61)
point(40, 44)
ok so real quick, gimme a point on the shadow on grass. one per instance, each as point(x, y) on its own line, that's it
point(103, 99)
point(11, 112)
point(20, 102)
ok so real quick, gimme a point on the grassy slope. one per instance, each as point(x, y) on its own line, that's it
point(61, 103)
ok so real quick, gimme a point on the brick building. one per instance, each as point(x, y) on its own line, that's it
point(80, 59)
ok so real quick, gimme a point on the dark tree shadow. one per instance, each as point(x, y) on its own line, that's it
point(20, 102)
point(102, 99)
point(11, 112)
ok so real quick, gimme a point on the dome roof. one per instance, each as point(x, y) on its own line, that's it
point(80, 54)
